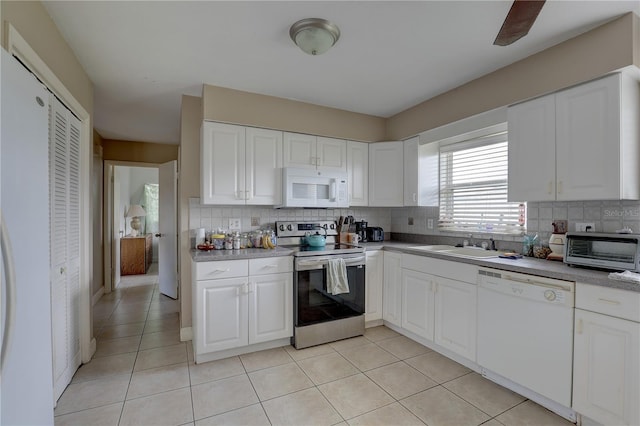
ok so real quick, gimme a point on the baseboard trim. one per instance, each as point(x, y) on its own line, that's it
point(186, 334)
point(97, 296)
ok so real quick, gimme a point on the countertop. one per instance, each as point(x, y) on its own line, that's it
point(252, 253)
point(525, 265)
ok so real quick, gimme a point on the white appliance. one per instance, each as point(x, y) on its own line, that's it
point(314, 188)
point(525, 336)
point(26, 384)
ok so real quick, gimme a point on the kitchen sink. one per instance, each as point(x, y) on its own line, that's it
point(474, 252)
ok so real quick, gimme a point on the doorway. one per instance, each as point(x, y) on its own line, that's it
point(140, 225)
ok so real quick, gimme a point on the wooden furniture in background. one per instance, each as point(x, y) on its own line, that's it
point(136, 254)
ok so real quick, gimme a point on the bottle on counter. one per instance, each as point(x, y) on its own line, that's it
point(236, 241)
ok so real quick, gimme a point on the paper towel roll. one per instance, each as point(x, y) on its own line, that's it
point(199, 236)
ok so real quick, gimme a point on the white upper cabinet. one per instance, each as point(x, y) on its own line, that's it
point(358, 173)
point(420, 173)
point(577, 144)
point(386, 175)
point(532, 147)
point(222, 172)
point(314, 152)
point(263, 161)
point(240, 165)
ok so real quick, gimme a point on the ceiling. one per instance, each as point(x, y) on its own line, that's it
point(143, 55)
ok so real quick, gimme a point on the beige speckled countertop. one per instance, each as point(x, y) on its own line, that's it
point(526, 265)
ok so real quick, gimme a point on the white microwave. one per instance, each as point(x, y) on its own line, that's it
point(314, 188)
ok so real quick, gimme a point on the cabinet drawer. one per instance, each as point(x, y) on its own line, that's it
point(270, 265)
point(221, 269)
point(609, 301)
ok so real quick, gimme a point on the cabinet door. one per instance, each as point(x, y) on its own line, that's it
point(222, 164)
point(385, 174)
point(455, 316)
point(417, 303)
point(532, 147)
point(299, 150)
point(221, 312)
point(263, 166)
point(588, 141)
point(392, 288)
point(606, 368)
point(270, 307)
point(373, 285)
point(411, 182)
point(358, 172)
point(331, 154)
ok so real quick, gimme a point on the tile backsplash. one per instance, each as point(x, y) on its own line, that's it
point(607, 216)
point(212, 217)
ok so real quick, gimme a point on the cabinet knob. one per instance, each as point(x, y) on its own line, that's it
point(158, 235)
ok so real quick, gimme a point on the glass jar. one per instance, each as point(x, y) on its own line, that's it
point(244, 241)
point(236, 241)
point(228, 242)
point(256, 238)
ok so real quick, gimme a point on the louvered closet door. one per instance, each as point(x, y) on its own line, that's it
point(64, 164)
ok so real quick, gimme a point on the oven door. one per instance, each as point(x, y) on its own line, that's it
point(313, 304)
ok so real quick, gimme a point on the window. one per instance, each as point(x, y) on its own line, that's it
point(473, 187)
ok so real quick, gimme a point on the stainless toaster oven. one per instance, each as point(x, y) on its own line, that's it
point(619, 252)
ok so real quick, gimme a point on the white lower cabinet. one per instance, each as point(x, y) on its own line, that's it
point(417, 303)
point(270, 307)
point(373, 285)
point(392, 288)
point(439, 309)
point(606, 360)
point(255, 306)
point(222, 310)
point(455, 316)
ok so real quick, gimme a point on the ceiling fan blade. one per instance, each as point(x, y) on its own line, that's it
point(521, 16)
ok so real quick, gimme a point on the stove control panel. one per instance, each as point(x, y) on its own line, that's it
point(299, 229)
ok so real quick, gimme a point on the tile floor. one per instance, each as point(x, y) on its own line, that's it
point(143, 375)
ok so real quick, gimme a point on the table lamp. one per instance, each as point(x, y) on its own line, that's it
point(134, 212)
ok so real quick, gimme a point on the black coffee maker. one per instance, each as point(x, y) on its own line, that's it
point(361, 230)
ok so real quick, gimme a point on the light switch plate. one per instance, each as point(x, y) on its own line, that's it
point(234, 224)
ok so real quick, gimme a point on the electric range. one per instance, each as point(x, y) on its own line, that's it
point(320, 314)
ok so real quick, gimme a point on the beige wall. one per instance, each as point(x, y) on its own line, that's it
point(188, 186)
point(33, 23)
point(251, 109)
point(604, 49)
point(139, 152)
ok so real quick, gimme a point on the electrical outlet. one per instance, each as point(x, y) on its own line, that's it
point(429, 223)
point(410, 221)
point(255, 221)
point(582, 226)
point(234, 224)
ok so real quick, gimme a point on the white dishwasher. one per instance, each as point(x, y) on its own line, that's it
point(525, 334)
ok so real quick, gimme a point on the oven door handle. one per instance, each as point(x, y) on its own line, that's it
point(320, 262)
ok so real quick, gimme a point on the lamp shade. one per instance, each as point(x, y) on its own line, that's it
point(314, 35)
point(136, 210)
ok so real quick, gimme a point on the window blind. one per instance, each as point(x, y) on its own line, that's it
point(473, 188)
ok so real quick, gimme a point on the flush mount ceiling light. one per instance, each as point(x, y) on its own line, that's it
point(314, 35)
